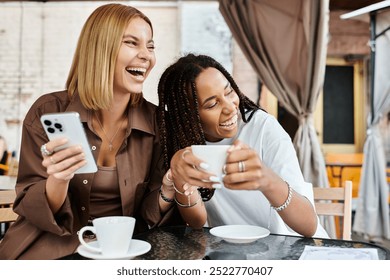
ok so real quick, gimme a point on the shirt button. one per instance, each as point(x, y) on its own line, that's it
point(83, 208)
point(85, 182)
point(93, 148)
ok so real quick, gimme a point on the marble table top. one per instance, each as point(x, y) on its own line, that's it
point(179, 242)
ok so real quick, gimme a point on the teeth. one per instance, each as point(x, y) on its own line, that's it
point(142, 70)
point(232, 121)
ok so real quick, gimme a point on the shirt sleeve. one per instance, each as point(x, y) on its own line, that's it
point(278, 153)
point(31, 202)
point(150, 209)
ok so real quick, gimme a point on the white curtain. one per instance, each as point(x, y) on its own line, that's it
point(372, 213)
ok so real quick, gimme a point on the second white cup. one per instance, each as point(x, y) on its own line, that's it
point(113, 234)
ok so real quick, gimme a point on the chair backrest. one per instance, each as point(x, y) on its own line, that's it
point(336, 202)
point(13, 167)
point(7, 198)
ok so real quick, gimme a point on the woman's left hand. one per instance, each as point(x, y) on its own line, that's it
point(186, 170)
point(245, 171)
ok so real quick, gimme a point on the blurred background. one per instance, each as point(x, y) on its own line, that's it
point(37, 40)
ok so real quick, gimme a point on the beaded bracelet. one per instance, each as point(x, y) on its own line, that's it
point(166, 199)
point(189, 202)
point(287, 202)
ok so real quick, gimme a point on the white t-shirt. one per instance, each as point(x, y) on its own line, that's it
point(265, 135)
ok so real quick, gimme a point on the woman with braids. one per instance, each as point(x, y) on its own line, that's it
point(200, 103)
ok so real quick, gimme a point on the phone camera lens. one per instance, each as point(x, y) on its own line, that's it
point(58, 125)
point(47, 122)
point(51, 130)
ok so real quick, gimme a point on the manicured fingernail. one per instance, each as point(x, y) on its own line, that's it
point(214, 179)
point(204, 165)
point(217, 186)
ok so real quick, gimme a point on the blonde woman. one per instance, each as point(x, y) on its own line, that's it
point(114, 56)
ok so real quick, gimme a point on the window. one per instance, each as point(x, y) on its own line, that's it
point(340, 118)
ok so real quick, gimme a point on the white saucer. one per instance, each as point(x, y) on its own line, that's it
point(240, 233)
point(137, 247)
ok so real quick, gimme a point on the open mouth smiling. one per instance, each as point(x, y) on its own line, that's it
point(136, 71)
point(230, 122)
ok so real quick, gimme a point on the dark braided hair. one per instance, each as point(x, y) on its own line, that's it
point(178, 114)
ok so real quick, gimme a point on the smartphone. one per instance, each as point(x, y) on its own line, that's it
point(68, 125)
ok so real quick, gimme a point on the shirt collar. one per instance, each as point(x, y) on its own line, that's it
point(75, 105)
point(142, 118)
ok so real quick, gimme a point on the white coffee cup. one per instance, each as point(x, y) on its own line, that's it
point(214, 156)
point(113, 234)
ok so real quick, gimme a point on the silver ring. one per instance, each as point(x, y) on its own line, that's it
point(224, 169)
point(52, 160)
point(168, 179)
point(183, 154)
point(167, 175)
point(241, 166)
point(45, 151)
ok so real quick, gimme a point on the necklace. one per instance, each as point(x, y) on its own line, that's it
point(110, 146)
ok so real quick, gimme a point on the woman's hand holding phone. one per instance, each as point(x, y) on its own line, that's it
point(70, 152)
point(66, 161)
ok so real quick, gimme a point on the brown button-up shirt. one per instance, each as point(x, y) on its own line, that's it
point(40, 234)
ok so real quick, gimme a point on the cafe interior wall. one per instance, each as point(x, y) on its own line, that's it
point(37, 41)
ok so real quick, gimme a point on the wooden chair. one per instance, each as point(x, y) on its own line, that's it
point(13, 167)
point(7, 215)
point(336, 202)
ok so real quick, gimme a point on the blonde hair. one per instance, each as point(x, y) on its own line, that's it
point(93, 66)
